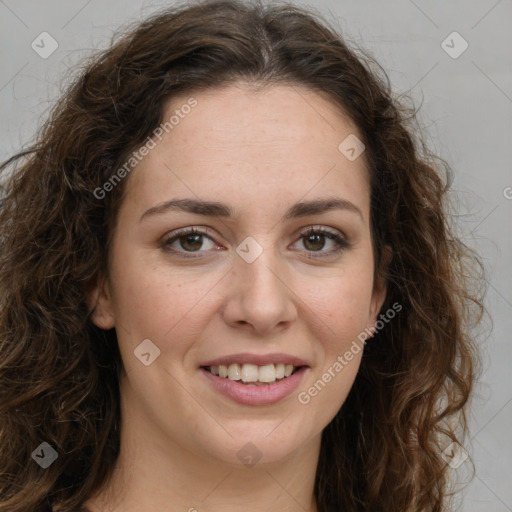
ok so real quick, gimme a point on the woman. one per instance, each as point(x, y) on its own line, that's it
point(228, 282)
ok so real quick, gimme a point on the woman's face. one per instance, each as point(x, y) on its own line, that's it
point(252, 285)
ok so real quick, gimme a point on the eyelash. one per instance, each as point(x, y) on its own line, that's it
point(342, 243)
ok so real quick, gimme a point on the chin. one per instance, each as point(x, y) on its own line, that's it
point(273, 443)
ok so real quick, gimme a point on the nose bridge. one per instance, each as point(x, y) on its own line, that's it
point(261, 275)
point(259, 295)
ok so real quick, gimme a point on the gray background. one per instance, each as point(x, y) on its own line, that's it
point(467, 119)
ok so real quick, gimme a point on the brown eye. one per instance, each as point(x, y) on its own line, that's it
point(187, 241)
point(314, 242)
point(191, 242)
point(316, 239)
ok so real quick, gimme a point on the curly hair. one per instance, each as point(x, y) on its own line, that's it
point(59, 373)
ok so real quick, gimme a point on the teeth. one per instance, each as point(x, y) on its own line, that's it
point(253, 373)
point(234, 372)
point(267, 373)
point(249, 373)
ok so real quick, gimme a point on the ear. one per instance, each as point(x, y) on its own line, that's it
point(100, 303)
point(379, 286)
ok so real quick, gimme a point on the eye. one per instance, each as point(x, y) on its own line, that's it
point(315, 239)
point(188, 240)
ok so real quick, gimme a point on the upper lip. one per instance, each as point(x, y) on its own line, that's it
point(257, 359)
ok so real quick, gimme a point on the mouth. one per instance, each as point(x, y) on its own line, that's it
point(252, 374)
point(255, 379)
point(254, 385)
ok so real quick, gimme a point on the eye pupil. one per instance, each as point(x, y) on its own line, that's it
point(196, 237)
point(316, 244)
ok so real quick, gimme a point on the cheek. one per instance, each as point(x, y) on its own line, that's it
point(342, 302)
point(339, 312)
point(342, 305)
point(161, 304)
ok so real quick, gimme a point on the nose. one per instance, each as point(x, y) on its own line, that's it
point(259, 298)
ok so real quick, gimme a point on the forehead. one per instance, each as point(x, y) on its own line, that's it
point(248, 145)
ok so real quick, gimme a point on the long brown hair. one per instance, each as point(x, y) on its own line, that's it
point(59, 373)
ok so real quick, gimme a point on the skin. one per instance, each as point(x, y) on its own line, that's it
point(259, 152)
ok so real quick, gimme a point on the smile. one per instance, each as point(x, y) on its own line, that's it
point(256, 392)
point(252, 373)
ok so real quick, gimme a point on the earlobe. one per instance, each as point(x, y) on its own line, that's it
point(100, 304)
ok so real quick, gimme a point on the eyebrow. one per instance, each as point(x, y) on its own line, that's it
point(216, 209)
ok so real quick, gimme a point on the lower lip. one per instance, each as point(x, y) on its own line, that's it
point(250, 394)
